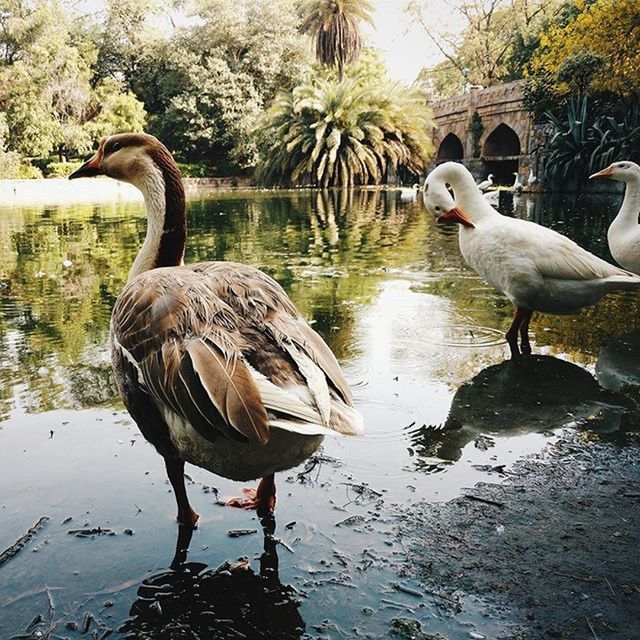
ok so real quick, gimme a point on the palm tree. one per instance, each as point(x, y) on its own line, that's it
point(344, 134)
point(334, 25)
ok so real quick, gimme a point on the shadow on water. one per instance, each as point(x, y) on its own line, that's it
point(228, 602)
point(531, 394)
point(618, 365)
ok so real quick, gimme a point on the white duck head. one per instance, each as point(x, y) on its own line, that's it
point(625, 171)
point(466, 207)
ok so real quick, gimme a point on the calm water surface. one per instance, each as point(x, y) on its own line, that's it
point(420, 338)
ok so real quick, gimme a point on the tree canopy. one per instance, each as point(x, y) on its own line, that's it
point(347, 133)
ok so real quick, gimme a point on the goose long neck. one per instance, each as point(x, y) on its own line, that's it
point(630, 209)
point(164, 244)
point(469, 198)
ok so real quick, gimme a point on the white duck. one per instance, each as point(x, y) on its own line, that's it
point(537, 268)
point(532, 179)
point(485, 184)
point(213, 360)
point(409, 194)
point(624, 232)
point(517, 186)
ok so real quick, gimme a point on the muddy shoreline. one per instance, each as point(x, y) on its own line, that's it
point(552, 553)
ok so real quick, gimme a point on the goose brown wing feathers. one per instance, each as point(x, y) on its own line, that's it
point(256, 296)
point(195, 332)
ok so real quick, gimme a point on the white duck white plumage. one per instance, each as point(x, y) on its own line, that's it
point(624, 232)
point(485, 184)
point(532, 179)
point(517, 185)
point(409, 194)
point(537, 268)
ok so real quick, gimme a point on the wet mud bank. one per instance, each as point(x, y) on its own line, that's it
point(553, 553)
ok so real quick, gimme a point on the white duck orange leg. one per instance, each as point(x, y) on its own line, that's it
point(520, 324)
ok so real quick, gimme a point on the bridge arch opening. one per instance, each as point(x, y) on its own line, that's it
point(501, 154)
point(450, 149)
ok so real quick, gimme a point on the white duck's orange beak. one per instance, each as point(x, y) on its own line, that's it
point(605, 173)
point(459, 216)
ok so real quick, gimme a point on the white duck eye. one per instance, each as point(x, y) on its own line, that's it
point(437, 208)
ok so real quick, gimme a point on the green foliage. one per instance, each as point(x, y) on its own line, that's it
point(194, 170)
point(477, 129)
point(343, 134)
point(583, 143)
point(541, 95)
point(46, 83)
point(334, 26)
point(117, 111)
point(579, 70)
point(61, 169)
point(206, 86)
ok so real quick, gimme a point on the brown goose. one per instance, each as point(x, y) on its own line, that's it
point(212, 360)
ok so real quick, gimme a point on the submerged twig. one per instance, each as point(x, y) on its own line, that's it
point(22, 541)
point(494, 503)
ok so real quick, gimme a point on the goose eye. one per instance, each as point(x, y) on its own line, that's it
point(437, 208)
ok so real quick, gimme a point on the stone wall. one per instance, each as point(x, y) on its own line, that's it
point(500, 104)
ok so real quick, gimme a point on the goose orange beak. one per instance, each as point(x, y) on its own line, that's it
point(459, 216)
point(605, 173)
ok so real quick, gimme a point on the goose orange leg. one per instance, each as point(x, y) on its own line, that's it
point(520, 324)
point(175, 470)
point(262, 499)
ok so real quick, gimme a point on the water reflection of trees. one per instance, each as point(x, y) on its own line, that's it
point(331, 250)
point(62, 268)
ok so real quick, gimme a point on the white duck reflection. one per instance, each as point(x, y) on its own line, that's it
point(535, 394)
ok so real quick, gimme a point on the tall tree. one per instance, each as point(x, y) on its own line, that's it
point(490, 35)
point(334, 26)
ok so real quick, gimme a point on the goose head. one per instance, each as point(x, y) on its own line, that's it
point(437, 197)
point(625, 171)
point(129, 157)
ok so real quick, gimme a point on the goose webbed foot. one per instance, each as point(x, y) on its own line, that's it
point(262, 499)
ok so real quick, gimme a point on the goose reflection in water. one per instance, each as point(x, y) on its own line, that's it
point(194, 601)
point(533, 394)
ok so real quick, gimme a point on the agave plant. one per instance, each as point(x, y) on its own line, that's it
point(344, 134)
point(616, 140)
point(334, 26)
point(583, 144)
point(571, 144)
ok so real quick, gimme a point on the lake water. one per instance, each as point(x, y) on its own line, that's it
point(420, 338)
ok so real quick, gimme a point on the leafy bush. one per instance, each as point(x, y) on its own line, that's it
point(344, 133)
point(61, 169)
point(194, 170)
point(12, 167)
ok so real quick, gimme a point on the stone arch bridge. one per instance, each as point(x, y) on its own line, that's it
point(488, 130)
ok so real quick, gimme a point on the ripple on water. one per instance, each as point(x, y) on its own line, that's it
point(465, 335)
